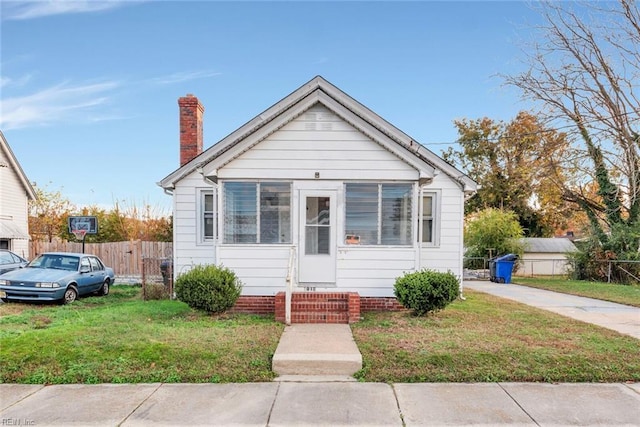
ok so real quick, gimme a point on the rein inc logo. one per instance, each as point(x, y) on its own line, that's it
point(17, 422)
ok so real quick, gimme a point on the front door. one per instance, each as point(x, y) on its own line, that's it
point(317, 241)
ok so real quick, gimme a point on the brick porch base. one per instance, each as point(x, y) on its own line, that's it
point(316, 307)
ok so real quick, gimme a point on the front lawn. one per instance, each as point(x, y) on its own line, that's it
point(622, 294)
point(122, 339)
point(486, 338)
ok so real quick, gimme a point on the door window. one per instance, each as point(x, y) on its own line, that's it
point(318, 226)
point(95, 265)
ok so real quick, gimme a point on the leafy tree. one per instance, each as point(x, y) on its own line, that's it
point(48, 214)
point(583, 71)
point(492, 232)
point(515, 165)
point(118, 224)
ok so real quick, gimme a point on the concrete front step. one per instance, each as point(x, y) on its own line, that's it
point(317, 349)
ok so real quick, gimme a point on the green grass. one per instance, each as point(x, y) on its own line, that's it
point(122, 339)
point(622, 294)
point(486, 338)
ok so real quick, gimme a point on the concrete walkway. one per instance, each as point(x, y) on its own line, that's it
point(316, 349)
point(322, 403)
point(622, 318)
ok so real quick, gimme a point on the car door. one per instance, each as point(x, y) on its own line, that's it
point(85, 277)
point(98, 273)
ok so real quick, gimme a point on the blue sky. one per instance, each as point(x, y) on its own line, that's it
point(89, 89)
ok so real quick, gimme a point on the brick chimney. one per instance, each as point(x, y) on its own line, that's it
point(191, 112)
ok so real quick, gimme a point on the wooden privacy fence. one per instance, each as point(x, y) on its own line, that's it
point(126, 258)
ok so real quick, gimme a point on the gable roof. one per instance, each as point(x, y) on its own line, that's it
point(13, 163)
point(548, 245)
point(319, 90)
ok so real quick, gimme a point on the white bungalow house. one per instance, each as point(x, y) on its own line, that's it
point(318, 189)
point(15, 193)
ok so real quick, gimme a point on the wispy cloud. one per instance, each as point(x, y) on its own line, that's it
point(59, 103)
point(183, 76)
point(6, 81)
point(64, 102)
point(31, 9)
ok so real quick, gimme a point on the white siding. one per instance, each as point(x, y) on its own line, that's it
point(13, 203)
point(187, 250)
point(449, 217)
point(372, 271)
point(261, 268)
point(318, 141)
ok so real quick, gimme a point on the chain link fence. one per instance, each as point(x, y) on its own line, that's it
point(478, 268)
point(157, 278)
point(610, 271)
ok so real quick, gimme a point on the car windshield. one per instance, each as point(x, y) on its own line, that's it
point(58, 262)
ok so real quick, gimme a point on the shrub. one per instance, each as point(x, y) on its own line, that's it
point(208, 287)
point(426, 290)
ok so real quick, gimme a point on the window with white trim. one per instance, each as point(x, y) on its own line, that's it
point(378, 214)
point(427, 222)
point(207, 216)
point(257, 212)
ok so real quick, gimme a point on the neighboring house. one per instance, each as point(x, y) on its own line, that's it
point(317, 188)
point(545, 256)
point(15, 193)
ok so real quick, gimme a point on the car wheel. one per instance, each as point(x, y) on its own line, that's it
point(70, 295)
point(104, 290)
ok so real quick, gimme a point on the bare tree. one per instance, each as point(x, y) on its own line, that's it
point(585, 74)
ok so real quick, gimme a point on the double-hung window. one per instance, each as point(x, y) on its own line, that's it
point(428, 219)
point(257, 212)
point(378, 214)
point(207, 215)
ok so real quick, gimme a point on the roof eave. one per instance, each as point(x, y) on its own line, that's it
point(467, 184)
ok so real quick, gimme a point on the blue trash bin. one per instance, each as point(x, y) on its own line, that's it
point(504, 267)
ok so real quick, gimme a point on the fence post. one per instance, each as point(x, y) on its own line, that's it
point(609, 272)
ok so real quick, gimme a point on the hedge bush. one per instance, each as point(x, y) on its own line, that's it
point(427, 290)
point(208, 287)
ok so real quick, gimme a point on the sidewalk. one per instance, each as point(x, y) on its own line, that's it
point(322, 403)
point(622, 318)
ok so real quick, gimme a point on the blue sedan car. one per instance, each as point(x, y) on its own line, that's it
point(57, 276)
point(10, 261)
